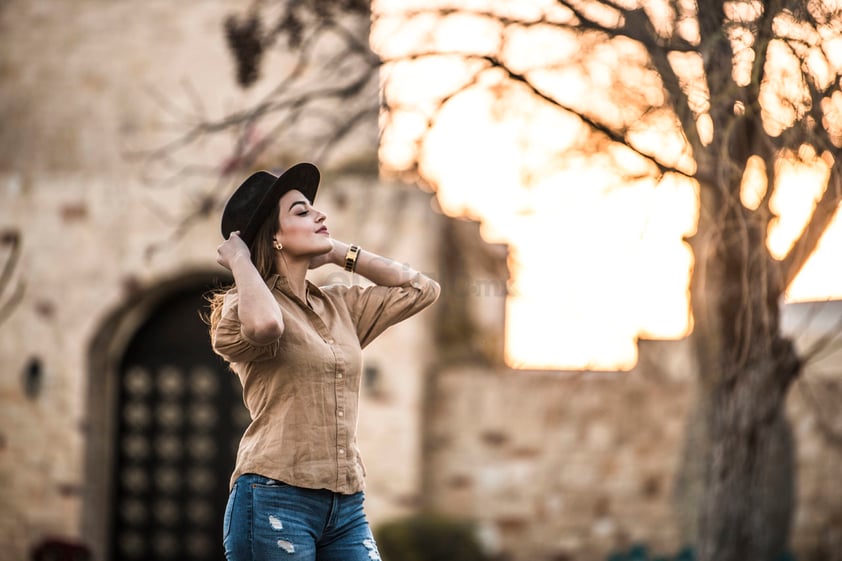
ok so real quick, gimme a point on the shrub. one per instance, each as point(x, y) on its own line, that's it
point(428, 537)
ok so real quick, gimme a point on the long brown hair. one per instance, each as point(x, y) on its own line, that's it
point(262, 251)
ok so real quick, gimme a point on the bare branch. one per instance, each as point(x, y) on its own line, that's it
point(821, 344)
point(343, 130)
point(825, 209)
point(820, 219)
point(616, 136)
point(431, 119)
point(825, 425)
point(287, 100)
point(762, 39)
point(12, 301)
point(676, 98)
point(10, 238)
point(580, 24)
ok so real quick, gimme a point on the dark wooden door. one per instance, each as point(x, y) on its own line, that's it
point(179, 419)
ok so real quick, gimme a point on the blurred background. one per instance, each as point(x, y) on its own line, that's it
point(627, 235)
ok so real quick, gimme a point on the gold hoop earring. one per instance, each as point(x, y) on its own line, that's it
point(278, 246)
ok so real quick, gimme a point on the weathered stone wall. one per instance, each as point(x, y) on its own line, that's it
point(568, 465)
point(85, 86)
point(83, 254)
point(558, 465)
point(93, 84)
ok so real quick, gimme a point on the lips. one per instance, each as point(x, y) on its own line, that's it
point(322, 230)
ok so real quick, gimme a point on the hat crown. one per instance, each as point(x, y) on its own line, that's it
point(253, 201)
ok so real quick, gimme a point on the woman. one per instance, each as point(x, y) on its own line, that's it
point(297, 487)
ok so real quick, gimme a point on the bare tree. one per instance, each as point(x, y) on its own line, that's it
point(743, 86)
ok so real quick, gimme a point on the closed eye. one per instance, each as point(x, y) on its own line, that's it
point(303, 204)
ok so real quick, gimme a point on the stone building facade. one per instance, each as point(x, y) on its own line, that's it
point(551, 465)
point(116, 425)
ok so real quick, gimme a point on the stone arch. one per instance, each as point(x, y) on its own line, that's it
point(116, 336)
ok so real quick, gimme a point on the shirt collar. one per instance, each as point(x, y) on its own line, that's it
point(282, 283)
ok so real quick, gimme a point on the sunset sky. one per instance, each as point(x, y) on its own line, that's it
point(596, 263)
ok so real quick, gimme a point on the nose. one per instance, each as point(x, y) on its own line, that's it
point(320, 216)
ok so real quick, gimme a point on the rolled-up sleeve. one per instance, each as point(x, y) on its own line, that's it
point(375, 308)
point(231, 343)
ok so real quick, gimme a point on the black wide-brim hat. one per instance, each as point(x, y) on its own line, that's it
point(253, 201)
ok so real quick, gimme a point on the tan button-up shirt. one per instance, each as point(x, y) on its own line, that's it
point(302, 391)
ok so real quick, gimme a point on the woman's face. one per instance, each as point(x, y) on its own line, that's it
point(302, 228)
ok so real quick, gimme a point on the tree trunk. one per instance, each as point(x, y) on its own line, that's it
point(736, 489)
point(736, 486)
point(749, 476)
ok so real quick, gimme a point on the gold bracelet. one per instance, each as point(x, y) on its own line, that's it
point(351, 258)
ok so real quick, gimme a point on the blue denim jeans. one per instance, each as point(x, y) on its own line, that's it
point(267, 520)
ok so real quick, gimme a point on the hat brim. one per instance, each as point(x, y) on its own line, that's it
point(253, 201)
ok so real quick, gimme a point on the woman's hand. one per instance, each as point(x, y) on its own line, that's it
point(232, 249)
point(258, 311)
point(335, 255)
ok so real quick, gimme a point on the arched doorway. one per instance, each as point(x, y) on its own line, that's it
point(171, 416)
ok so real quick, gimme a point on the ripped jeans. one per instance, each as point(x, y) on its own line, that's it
point(267, 520)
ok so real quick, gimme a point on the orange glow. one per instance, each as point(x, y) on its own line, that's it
point(799, 187)
point(596, 264)
point(794, 199)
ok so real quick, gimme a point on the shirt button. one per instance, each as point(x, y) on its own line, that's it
point(341, 413)
point(341, 451)
point(339, 376)
point(330, 341)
